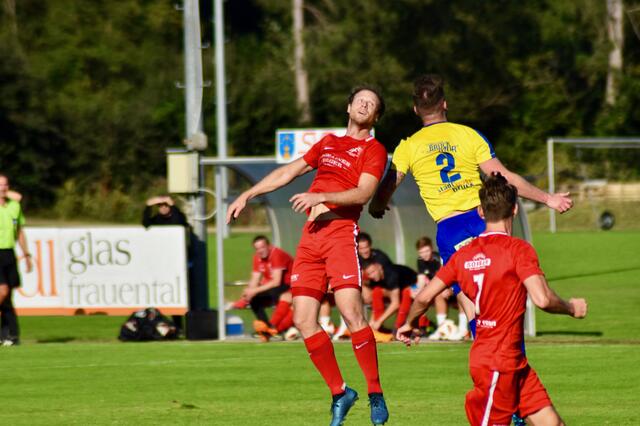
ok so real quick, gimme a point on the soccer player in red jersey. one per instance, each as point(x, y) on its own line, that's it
point(269, 286)
point(497, 271)
point(348, 171)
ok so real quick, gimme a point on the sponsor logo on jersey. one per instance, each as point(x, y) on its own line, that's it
point(479, 261)
point(294, 277)
point(487, 323)
point(355, 152)
point(443, 146)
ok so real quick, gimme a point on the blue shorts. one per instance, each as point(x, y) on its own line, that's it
point(458, 231)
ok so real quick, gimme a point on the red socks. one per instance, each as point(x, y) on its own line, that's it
point(377, 302)
point(405, 306)
point(364, 346)
point(286, 322)
point(279, 313)
point(321, 353)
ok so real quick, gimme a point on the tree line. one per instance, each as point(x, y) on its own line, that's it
point(89, 99)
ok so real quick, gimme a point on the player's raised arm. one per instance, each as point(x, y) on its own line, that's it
point(274, 180)
point(560, 202)
point(546, 299)
point(380, 202)
point(354, 196)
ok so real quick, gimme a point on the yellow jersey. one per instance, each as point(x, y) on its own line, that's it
point(444, 160)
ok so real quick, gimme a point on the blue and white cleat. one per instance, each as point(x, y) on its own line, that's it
point(518, 421)
point(379, 412)
point(341, 407)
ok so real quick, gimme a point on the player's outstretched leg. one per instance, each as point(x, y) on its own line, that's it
point(341, 405)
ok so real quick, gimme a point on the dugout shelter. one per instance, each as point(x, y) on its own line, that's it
point(396, 233)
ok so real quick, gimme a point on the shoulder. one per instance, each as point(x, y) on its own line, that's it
point(521, 245)
point(14, 206)
point(374, 145)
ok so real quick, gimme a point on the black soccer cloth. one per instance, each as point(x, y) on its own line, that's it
point(9, 268)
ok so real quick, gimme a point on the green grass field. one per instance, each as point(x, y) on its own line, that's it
point(72, 370)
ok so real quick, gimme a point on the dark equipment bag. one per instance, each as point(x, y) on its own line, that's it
point(146, 325)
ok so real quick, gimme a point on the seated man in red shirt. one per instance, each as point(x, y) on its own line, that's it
point(269, 286)
point(497, 271)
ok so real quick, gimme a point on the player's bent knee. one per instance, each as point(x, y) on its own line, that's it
point(355, 320)
point(4, 291)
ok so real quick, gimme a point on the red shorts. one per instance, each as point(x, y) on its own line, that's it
point(327, 255)
point(497, 396)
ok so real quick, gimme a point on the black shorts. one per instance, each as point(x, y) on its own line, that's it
point(9, 268)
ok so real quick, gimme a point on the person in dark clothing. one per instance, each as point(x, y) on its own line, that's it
point(391, 282)
point(167, 214)
point(11, 232)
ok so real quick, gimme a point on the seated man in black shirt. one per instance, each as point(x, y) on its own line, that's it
point(393, 283)
point(429, 263)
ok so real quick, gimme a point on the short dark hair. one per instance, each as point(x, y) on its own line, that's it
point(363, 236)
point(497, 197)
point(368, 262)
point(423, 242)
point(260, 238)
point(428, 93)
point(374, 89)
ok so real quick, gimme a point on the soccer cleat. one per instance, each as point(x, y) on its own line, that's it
point(518, 421)
point(379, 412)
point(341, 407)
point(264, 331)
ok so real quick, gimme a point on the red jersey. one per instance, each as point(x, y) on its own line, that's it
point(491, 270)
point(277, 259)
point(340, 162)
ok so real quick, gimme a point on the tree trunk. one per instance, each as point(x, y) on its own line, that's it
point(302, 81)
point(616, 37)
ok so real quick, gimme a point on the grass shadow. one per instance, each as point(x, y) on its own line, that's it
point(592, 274)
point(569, 333)
point(65, 339)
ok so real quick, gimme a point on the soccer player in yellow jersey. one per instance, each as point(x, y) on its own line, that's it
point(446, 159)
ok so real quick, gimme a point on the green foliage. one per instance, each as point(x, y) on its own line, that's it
point(102, 205)
point(89, 93)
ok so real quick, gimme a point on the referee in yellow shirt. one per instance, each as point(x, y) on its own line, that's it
point(11, 223)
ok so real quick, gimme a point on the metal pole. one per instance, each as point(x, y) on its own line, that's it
point(221, 98)
point(220, 224)
point(552, 184)
point(199, 294)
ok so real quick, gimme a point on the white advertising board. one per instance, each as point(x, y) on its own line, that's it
point(111, 270)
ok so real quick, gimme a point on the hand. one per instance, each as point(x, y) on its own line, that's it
point(375, 325)
point(560, 202)
point(235, 208)
point(579, 308)
point(29, 263)
point(306, 200)
point(407, 335)
point(248, 294)
point(377, 212)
